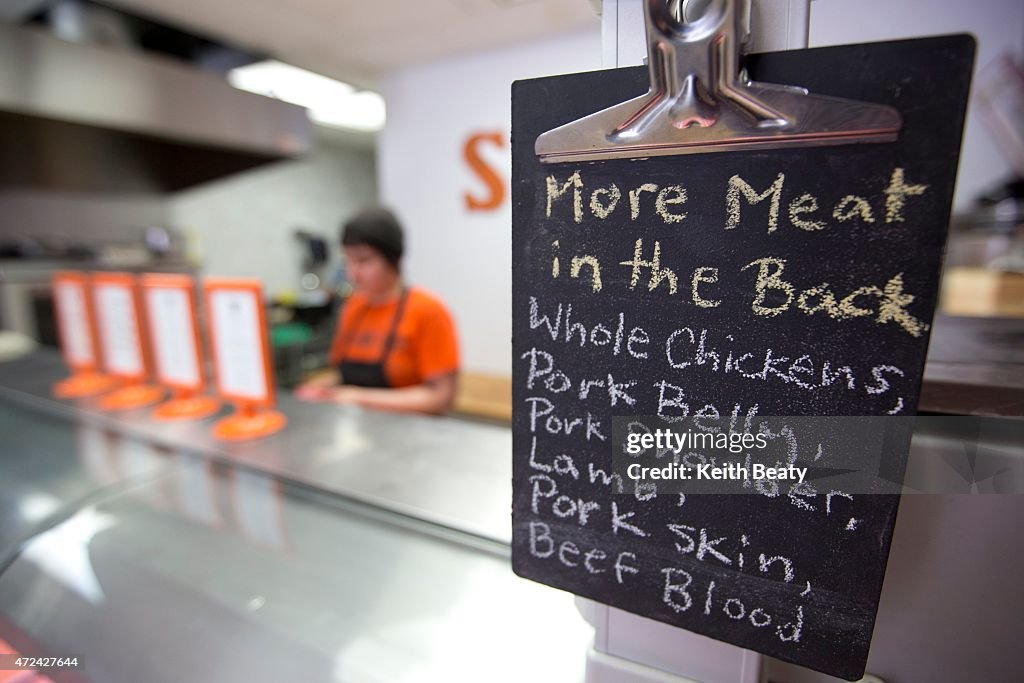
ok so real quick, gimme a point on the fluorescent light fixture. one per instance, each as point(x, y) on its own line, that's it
point(329, 102)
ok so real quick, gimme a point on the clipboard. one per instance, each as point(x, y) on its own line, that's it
point(736, 236)
point(700, 101)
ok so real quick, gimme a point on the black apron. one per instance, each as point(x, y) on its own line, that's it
point(370, 374)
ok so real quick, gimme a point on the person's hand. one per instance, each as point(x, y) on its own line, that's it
point(317, 388)
point(313, 391)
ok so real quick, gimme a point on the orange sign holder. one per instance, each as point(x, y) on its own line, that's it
point(134, 391)
point(131, 396)
point(80, 354)
point(186, 405)
point(188, 402)
point(249, 422)
point(255, 415)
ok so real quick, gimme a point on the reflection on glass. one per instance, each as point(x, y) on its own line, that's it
point(257, 508)
point(196, 490)
point(62, 553)
point(35, 507)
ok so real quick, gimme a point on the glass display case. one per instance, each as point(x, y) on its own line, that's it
point(158, 563)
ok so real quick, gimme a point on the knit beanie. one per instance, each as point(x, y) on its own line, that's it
point(378, 228)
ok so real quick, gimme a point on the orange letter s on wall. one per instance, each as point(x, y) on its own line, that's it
point(495, 183)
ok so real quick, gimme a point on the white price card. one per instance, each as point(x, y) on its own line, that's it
point(118, 322)
point(69, 293)
point(240, 352)
point(171, 314)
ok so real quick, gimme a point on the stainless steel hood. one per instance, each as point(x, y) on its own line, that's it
point(87, 118)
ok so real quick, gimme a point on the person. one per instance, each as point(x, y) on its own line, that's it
point(395, 346)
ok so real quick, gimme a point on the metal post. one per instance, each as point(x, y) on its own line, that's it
point(775, 25)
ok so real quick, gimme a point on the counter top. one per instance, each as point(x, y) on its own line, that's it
point(975, 367)
point(456, 476)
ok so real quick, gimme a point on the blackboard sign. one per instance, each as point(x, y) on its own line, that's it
point(786, 282)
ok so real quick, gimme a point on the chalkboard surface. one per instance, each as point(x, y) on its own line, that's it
point(794, 282)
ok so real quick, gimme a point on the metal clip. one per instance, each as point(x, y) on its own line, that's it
point(700, 100)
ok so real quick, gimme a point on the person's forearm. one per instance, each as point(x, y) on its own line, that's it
point(422, 398)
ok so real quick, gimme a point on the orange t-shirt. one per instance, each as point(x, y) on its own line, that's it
point(425, 345)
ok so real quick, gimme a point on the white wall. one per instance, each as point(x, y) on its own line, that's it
point(463, 256)
point(998, 26)
point(243, 225)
